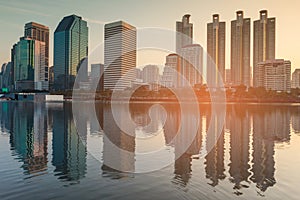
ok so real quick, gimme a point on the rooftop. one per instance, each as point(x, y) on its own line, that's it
point(119, 23)
point(66, 23)
point(35, 24)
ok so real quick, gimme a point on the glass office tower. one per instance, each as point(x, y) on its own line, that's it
point(70, 52)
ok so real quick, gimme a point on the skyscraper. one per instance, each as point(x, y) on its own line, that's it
point(240, 50)
point(216, 50)
point(192, 65)
point(70, 51)
point(28, 58)
point(263, 42)
point(119, 55)
point(39, 32)
point(184, 33)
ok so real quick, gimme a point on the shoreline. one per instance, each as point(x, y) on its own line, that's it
point(169, 101)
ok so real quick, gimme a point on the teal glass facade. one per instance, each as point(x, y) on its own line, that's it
point(70, 51)
point(23, 60)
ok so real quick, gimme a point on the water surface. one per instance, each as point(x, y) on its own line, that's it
point(44, 155)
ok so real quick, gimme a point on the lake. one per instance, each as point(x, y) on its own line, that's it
point(147, 151)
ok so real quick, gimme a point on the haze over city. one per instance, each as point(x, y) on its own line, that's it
point(156, 99)
point(162, 14)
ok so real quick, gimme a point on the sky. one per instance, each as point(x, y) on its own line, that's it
point(161, 14)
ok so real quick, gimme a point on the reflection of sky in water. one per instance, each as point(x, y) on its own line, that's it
point(256, 154)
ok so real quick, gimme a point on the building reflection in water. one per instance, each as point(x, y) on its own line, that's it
point(7, 116)
point(187, 144)
point(29, 136)
point(214, 160)
point(172, 123)
point(118, 146)
point(296, 120)
point(252, 132)
point(270, 125)
point(69, 148)
point(239, 122)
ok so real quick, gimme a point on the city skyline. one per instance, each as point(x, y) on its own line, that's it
point(150, 100)
point(285, 46)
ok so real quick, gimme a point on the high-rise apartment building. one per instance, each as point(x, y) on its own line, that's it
point(274, 75)
point(192, 65)
point(240, 50)
point(150, 74)
point(70, 52)
point(119, 55)
point(216, 36)
point(184, 33)
point(172, 67)
point(263, 42)
point(296, 79)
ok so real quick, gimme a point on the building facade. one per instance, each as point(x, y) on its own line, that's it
point(150, 74)
point(240, 50)
point(216, 36)
point(119, 55)
point(29, 64)
point(39, 32)
point(138, 74)
point(296, 79)
point(97, 76)
point(70, 52)
point(8, 77)
point(274, 75)
point(1, 76)
point(192, 65)
point(263, 42)
point(172, 67)
point(184, 33)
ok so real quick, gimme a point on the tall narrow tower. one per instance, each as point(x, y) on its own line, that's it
point(263, 42)
point(216, 50)
point(184, 33)
point(240, 50)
